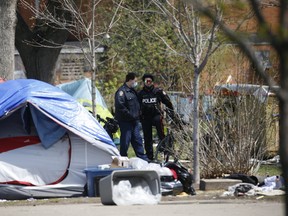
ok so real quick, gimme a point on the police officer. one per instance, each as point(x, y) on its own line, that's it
point(127, 113)
point(151, 99)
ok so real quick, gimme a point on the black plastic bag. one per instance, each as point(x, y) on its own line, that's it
point(241, 189)
point(183, 175)
point(244, 178)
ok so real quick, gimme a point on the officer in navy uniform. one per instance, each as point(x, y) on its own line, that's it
point(151, 98)
point(127, 113)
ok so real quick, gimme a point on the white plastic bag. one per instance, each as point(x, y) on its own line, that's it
point(125, 194)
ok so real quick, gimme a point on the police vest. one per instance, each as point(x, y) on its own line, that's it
point(150, 103)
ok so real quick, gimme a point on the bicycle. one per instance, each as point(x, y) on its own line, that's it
point(166, 146)
point(110, 125)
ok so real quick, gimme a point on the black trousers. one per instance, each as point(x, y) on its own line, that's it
point(147, 124)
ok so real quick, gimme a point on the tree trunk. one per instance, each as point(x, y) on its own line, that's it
point(196, 161)
point(93, 77)
point(7, 35)
point(283, 106)
point(39, 61)
point(283, 146)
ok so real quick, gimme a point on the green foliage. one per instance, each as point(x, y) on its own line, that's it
point(135, 46)
point(270, 170)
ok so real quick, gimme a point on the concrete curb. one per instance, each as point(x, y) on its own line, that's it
point(217, 184)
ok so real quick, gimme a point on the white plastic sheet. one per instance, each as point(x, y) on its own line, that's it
point(125, 194)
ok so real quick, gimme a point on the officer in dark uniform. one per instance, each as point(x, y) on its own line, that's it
point(127, 113)
point(151, 99)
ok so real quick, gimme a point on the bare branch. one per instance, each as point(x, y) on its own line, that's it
point(244, 44)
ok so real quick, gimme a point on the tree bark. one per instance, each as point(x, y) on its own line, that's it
point(196, 160)
point(283, 122)
point(7, 35)
point(39, 61)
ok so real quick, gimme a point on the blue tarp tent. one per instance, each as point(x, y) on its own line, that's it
point(81, 90)
point(47, 138)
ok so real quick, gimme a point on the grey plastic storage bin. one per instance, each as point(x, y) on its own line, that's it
point(141, 178)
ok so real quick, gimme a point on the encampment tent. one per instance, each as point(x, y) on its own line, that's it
point(81, 90)
point(47, 139)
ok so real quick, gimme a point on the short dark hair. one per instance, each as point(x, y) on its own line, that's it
point(148, 76)
point(130, 76)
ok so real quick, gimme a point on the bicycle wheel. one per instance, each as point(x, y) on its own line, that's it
point(164, 149)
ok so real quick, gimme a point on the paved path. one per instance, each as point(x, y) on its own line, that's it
point(165, 208)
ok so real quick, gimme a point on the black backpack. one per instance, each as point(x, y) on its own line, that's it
point(185, 177)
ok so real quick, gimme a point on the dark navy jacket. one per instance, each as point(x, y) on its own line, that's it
point(127, 107)
point(150, 102)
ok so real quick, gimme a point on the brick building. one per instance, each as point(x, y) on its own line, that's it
point(71, 61)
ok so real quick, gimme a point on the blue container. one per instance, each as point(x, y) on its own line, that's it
point(93, 176)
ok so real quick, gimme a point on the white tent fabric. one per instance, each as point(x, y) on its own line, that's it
point(28, 168)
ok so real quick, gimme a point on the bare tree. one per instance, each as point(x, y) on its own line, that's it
point(7, 33)
point(40, 60)
point(279, 41)
point(200, 42)
point(84, 24)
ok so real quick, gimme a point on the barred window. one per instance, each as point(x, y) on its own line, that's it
point(71, 68)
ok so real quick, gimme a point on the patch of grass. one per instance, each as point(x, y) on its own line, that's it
point(130, 152)
point(269, 170)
